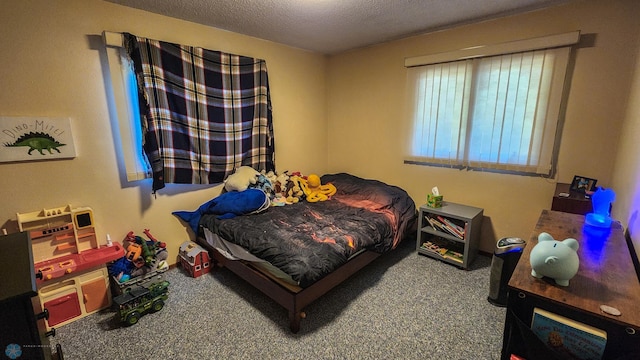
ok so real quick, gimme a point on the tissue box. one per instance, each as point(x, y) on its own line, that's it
point(434, 201)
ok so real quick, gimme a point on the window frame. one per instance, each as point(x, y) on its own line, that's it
point(470, 58)
point(125, 105)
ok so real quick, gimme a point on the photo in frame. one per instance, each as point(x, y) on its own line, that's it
point(582, 184)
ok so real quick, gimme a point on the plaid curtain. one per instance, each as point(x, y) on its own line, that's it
point(204, 113)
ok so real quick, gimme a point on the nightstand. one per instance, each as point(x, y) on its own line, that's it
point(450, 233)
point(575, 203)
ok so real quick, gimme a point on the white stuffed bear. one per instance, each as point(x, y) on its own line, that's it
point(555, 259)
point(241, 179)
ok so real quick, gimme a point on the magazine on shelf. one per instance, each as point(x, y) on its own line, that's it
point(568, 337)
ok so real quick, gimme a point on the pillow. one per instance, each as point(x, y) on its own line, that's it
point(241, 179)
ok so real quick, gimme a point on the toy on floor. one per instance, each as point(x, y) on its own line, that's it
point(555, 259)
point(314, 190)
point(194, 259)
point(142, 256)
point(141, 300)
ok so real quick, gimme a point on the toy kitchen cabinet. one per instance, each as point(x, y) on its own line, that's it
point(69, 262)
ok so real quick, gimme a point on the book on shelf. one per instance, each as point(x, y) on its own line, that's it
point(437, 225)
point(568, 337)
point(454, 255)
point(432, 223)
point(442, 251)
point(448, 226)
point(458, 230)
point(453, 225)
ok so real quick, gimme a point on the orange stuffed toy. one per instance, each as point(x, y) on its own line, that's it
point(314, 190)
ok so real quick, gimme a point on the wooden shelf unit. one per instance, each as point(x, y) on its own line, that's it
point(458, 248)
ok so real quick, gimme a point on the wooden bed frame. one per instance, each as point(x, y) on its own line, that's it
point(292, 300)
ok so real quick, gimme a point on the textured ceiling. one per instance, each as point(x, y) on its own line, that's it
point(332, 26)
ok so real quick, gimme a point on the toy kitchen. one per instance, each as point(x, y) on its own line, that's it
point(69, 262)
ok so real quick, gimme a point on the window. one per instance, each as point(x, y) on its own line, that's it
point(204, 113)
point(127, 114)
point(498, 112)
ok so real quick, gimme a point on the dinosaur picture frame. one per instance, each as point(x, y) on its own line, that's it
point(35, 139)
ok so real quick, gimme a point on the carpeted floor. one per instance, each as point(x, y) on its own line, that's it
point(402, 306)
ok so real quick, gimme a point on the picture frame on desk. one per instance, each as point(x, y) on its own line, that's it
point(583, 184)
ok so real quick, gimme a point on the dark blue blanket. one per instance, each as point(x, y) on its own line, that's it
point(309, 240)
point(226, 206)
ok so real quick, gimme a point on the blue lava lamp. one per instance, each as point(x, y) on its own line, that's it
point(601, 201)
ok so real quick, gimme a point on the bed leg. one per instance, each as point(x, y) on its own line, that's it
point(294, 320)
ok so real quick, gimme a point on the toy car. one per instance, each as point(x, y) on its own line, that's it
point(140, 300)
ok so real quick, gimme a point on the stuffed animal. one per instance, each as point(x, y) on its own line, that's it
point(555, 259)
point(281, 183)
point(314, 190)
point(271, 176)
point(241, 179)
point(294, 191)
point(262, 183)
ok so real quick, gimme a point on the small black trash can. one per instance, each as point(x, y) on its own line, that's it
point(505, 257)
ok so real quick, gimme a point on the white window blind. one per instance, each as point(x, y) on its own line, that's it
point(496, 112)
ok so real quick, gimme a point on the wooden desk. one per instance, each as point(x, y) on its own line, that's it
point(606, 276)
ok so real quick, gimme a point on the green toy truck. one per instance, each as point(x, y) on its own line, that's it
point(141, 300)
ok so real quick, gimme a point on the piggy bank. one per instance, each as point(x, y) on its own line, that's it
point(557, 260)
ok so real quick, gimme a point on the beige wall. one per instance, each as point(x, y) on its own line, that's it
point(627, 167)
point(366, 108)
point(344, 114)
point(52, 63)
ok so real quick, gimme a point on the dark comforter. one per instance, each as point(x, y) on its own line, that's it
point(309, 240)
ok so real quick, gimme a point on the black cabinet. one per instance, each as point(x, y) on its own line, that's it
point(22, 330)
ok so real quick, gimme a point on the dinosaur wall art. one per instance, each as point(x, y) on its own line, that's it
point(25, 139)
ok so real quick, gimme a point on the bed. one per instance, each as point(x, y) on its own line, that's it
point(296, 253)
